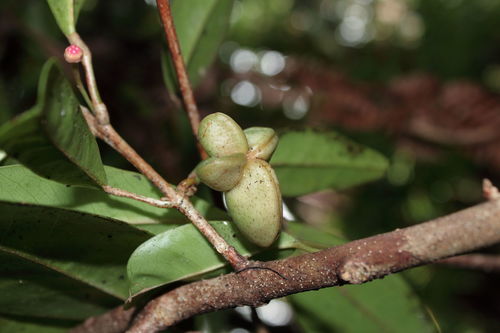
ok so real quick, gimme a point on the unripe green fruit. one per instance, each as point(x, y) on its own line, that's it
point(255, 203)
point(221, 173)
point(262, 142)
point(221, 136)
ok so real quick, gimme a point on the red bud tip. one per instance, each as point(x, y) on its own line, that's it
point(73, 54)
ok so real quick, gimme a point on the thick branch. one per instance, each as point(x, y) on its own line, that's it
point(352, 263)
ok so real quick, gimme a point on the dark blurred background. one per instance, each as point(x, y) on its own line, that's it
point(417, 80)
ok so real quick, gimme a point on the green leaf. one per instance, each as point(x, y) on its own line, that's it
point(66, 13)
point(387, 305)
point(201, 26)
point(183, 253)
point(33, 325)
point(308, 161)
point(19, 184)
point(53, 138)
point(29, 289)
point(85, 247)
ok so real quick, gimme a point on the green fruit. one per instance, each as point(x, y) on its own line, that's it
point(255, 203)
point(262, 142)
point(221, 136)
point(221, 173)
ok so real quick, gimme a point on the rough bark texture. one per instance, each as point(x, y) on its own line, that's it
point(355, 262)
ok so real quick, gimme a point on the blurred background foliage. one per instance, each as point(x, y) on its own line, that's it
point(415, 79)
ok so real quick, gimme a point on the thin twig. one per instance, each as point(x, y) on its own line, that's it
point(180, 69)
point(98, 106)
point(126, 194)
point(489, 263)
point(352, 263)
point(188, 185)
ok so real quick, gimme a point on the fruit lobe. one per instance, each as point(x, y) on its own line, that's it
point(262, 142)
point(221, 173)
point(220, 136)
point(255, 203)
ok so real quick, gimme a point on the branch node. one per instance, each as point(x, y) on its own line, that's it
point(356, 272)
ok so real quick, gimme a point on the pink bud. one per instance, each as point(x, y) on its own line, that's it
point(73, 54)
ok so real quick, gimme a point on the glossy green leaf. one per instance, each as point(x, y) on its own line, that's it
point(308, 161)
point(201, 26)
point(88, 248)
point(53, 138)
point(183, 253)
point(387, 305)
point(66, 13)
point(29, 289)
point(19, 184)
point(15, 324)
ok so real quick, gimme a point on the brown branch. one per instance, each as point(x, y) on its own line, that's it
point(180, 69)
point(482, 262)
point(352, 263)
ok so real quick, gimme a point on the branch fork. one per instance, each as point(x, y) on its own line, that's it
point(98, 120)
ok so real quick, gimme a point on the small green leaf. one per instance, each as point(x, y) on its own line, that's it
point(33, 325)
point(53, 138)
point(66, 13)
point(85, 247)
point(387, 305)
point(307, 161)
point(29, 289)
point(183, 253)
point(19, 184)
point(201, 26)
